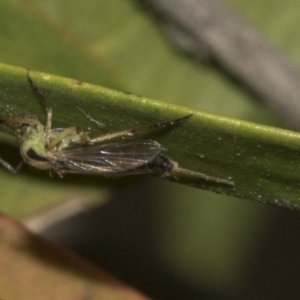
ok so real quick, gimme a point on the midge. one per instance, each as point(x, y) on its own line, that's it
point(65, 150)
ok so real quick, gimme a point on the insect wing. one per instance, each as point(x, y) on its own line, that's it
point(105, 159)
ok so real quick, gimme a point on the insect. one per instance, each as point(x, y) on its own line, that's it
point(67, 151)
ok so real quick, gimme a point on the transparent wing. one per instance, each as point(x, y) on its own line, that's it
point(112, 158)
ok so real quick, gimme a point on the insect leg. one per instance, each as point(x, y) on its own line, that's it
point(203, 176)
point(140, 130)
point(67, 132)
point(10, 168)
point(99, 124)
point(11, 122)
point(158, 126)
point(30, 122)
point(47, 108)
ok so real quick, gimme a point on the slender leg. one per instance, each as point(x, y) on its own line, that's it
point(99, 124)
point(10, 168)
point(71, 131)
point(141, 130)
point(47, 108)
point(11, 122)
point(203, 176)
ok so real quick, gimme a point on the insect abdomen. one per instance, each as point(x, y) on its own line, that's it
point(161, 164)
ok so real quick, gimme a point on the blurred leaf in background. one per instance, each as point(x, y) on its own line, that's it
point(206, 240)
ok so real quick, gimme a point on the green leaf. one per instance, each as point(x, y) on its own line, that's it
point(259, 160)
point(114, 44)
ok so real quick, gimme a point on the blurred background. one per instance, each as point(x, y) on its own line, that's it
point(168, 240)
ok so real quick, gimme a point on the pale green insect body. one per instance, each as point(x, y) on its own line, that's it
point(33, 141)
point(34, 149)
